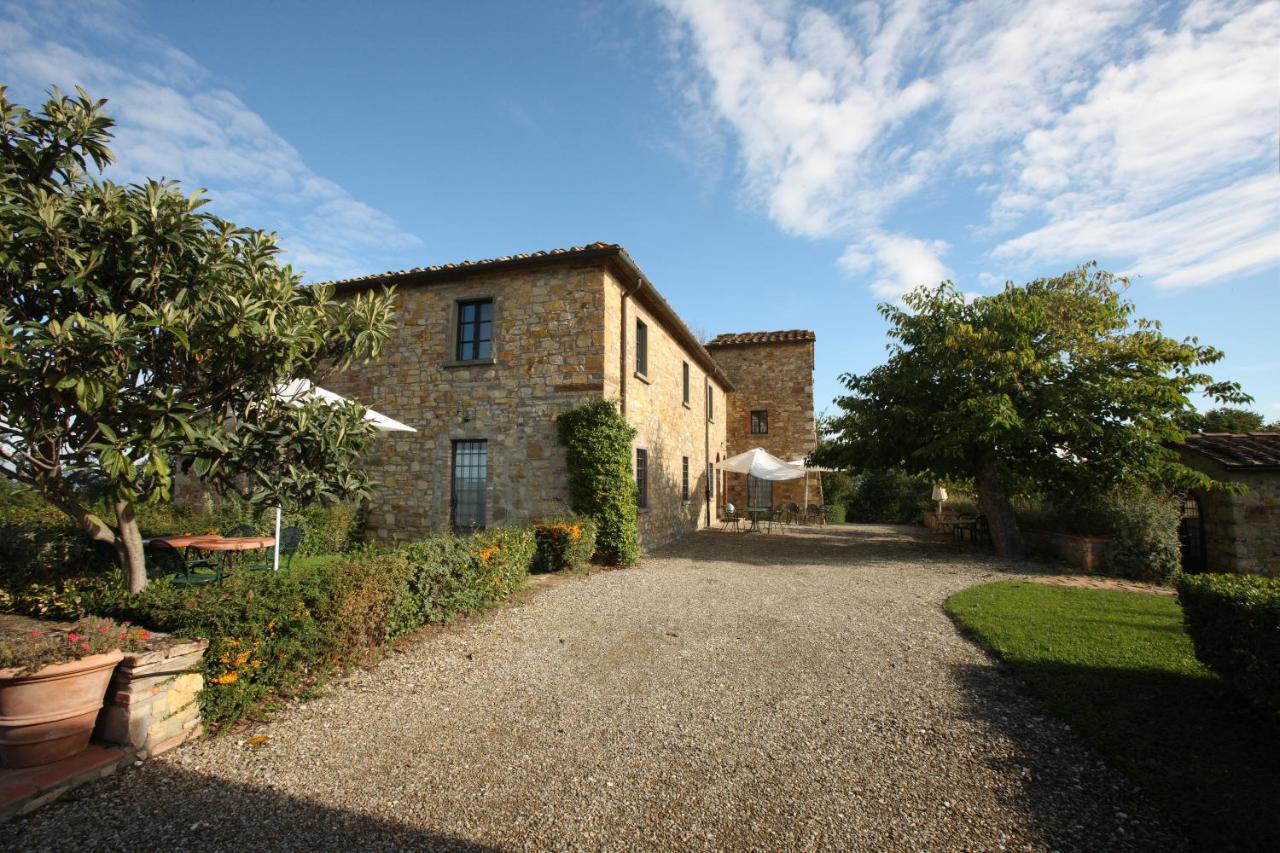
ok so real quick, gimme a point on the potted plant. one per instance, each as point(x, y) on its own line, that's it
point(52, 684)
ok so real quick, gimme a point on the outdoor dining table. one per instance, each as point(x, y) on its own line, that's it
point(228, 545)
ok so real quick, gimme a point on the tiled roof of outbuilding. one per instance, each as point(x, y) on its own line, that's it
point(785, 336)
point(1238, 450)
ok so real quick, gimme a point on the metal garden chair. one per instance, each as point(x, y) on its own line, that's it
point(164, 560)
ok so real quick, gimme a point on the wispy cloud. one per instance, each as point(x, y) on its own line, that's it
point(1131, 130)
point(175, 122)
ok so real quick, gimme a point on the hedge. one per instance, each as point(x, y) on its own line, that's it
point(1234, 622)
point(835, 513)
point(564, 543)
point(279, 634)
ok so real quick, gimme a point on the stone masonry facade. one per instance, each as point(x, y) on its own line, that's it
point(772, 408)
point(564, 329)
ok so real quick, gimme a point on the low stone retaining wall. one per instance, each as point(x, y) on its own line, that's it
point(151, 704)
point(1082, 552)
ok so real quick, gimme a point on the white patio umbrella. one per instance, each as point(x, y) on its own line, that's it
point(799, 463)
point(762, 465)
point(297, 391)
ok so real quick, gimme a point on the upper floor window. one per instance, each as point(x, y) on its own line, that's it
point(685, 386)
point(760, 422)
point(711, 403)
point(475, 330)
point(642, 348)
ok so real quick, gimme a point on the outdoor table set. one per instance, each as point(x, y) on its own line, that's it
point(166, 553)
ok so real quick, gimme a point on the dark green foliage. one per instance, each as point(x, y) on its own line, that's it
point(1144, 537)
point(564, 543)
point(1234, 621)
point(278, 634)
point(1229, 419)
point(1120, 669)
point(891, 496)
point(836, 513)
point(597, 441)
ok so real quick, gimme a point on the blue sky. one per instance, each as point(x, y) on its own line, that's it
point(769, 164)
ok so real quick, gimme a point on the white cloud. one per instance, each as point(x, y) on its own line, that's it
point(902, 263)
point(172, 122)
point(1129, 130)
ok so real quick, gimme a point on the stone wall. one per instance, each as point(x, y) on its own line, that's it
point(668, 429)
point(549, 354)
point(1241, 532)
point(151, 705)
point(778, 378)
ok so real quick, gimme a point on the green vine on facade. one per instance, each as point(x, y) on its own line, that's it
point(597, 440)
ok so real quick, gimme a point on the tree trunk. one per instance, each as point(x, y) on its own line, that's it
point(996, 506)
point(129, 547)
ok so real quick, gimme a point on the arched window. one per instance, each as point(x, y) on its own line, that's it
point(1191, 535)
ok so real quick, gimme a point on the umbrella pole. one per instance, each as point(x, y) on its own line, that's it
point(275, 563)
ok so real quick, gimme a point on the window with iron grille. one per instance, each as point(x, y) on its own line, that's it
point(685, 386)
point(711, 480)
point(642, 478)
point(684, 478)
point(470, 475)
point(711, 403)
point(475, 330)
point(760, 422)
point(759, 493)
point(642, 348)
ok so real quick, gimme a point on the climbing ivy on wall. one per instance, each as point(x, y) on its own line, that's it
point(597, 439)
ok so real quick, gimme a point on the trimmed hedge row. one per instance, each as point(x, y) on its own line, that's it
point(1234, 622)
point(279, 634)
point(565, 543)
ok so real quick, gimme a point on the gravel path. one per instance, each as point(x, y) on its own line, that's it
point(780, 692)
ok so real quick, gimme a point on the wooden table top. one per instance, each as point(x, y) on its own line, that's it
point(214, 542)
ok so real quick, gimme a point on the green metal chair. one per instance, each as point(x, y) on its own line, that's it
point(239, 530)
point(290, 541)
point(164, 560)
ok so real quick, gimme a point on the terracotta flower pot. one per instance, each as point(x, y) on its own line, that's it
point(48, 715)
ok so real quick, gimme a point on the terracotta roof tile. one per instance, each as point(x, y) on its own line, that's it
point(1238, 450)
point(785, 336)
point(467, 265)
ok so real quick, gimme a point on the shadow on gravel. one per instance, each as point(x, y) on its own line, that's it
point(162, 807)
point(1073, 800)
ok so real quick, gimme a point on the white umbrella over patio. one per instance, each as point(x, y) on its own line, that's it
point(762, 465)
point(298, 391)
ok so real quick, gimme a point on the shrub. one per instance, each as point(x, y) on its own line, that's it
point(835, 513)
point(597, 441)
point(564, 543)
point(280, 633)
point(1144, 537)
point(892, 497)
point(1234, 622)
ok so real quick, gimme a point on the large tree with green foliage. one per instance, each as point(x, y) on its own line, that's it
point(138, 330)
point(1049, 389)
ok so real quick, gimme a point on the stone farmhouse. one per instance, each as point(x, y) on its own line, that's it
point(487, 353)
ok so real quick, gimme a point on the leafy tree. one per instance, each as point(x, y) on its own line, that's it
point(137, 330)
point(1230, 419)
point(1048, 388)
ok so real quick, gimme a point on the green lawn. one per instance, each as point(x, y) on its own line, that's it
point(1119, 668)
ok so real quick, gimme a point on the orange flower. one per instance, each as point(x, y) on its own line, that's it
point(229, 678)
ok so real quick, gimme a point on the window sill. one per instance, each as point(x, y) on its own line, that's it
point(478, 362)
point(642, 377)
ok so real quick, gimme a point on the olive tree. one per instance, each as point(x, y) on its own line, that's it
point(1051, 388)
point(139, 331)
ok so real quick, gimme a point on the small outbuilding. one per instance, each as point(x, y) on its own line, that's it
point(1224, 532)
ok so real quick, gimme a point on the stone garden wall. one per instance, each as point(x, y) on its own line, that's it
point(151, 705)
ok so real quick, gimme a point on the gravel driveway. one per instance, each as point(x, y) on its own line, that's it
point(774, 692)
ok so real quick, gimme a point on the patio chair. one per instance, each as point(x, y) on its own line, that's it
point(290, 541)
point(164, 560)
point(817, 514)
point(777, 516)
point(793, 512)
point(981, 531)
point(730, 517)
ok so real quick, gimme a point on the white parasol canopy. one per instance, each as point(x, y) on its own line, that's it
point(298, 390)
point(762, 465)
